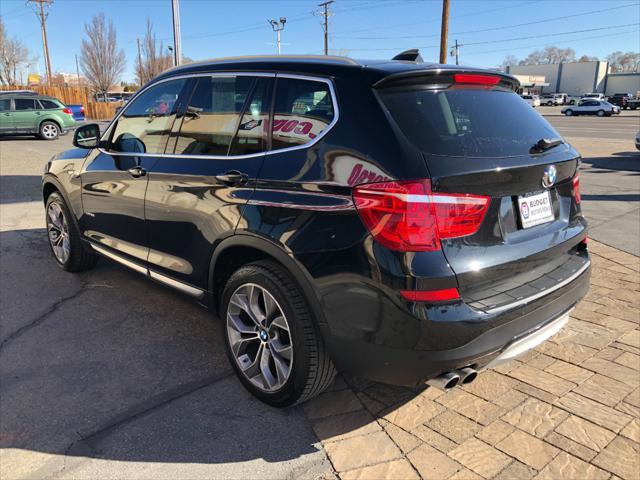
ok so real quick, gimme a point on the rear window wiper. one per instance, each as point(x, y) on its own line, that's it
point(545, 144)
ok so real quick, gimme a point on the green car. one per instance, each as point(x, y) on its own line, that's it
point(46, 117)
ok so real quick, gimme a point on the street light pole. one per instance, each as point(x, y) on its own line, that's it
point(277, 27)
point(177, 44)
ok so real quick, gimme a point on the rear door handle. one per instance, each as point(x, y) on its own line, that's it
point(233, 178)
point(137, 172)
point(7, 114)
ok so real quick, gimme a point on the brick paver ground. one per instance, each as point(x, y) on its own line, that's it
point(568, 410)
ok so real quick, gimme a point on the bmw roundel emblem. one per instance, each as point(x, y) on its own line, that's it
point(549, 177)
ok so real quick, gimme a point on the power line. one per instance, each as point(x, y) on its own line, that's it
point(505, 39)
point(423, 22)
point(536, 22)
point(592, 37)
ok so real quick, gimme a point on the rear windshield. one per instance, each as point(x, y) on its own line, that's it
point(467, 122)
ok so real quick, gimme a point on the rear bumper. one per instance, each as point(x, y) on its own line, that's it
point(491, 336)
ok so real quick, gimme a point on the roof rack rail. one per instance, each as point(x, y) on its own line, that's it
point(412, 55)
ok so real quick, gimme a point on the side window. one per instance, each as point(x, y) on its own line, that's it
point(48, 104)
point(146, 123)
point(303, 110)
point(253, 130)
point(5, 105)
point(24, 103)
point(212, 115)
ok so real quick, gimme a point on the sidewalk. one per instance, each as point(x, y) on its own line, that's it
point(568, 410)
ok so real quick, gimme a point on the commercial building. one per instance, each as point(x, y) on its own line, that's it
point(575, 78)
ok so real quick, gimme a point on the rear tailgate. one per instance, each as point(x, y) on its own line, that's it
point(479, 137)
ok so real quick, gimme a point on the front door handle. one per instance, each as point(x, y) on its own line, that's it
point(233, 178)
point(137, 172)
point(7, 114)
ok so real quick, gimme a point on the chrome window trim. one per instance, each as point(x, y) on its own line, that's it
point(538, 295)
point(183, 287)
point(328, 81)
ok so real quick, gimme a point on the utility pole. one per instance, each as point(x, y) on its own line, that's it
point(455, 51)
point(278, 27)
point(78, 70)
point(444, 31)
point(41, 8)
point(139, 63)
point(326, 14)
point(177, 44)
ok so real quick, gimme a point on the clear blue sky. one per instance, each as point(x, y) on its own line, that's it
point(359, 28)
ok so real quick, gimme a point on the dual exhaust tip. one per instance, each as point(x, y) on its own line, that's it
point(448, 380)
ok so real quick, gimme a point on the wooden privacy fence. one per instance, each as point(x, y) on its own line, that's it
point(75, 95)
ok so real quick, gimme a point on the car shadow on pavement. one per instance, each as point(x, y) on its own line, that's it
point(629, 161)
point(108, 365)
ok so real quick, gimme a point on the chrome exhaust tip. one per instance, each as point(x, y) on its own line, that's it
point(467, 375)
point(446, 381)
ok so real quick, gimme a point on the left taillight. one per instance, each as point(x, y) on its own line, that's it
point(407, 216)
point(67, 110)
point(576, 187)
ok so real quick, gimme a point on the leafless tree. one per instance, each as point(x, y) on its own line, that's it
point(549, 55)
point(152, 59)
point(624, 62)
point(100, 59)
point(508, 61)
point(588, 58)
point(13, 54)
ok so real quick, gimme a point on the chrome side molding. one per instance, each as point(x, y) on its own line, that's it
point(181, 286)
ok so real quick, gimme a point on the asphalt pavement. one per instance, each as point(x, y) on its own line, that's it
point(107, 375)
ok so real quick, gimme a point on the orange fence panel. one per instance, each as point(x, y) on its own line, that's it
point(75, 95)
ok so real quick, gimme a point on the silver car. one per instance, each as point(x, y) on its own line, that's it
point(592, 107)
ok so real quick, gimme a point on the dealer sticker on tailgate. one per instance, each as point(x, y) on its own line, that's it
point(535, 209)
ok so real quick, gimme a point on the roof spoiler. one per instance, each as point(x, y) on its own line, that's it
point(412, 55)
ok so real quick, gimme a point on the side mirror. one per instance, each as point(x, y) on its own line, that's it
point(87, 136)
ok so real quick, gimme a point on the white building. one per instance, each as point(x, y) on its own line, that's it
point(577, 78)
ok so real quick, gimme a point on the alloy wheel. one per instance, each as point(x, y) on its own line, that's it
point(49, 131)
point(58, 230)
point(259, 337)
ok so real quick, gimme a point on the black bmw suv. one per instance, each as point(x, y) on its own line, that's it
point(402, 221)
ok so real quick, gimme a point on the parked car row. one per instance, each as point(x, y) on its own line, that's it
point(621, 100)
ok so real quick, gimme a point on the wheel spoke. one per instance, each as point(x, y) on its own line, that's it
point(282, 368)
point(254, 304)
point(253, 369)
point(280, 322)
point(281, 349)
point(239, 326)
point(265, 368)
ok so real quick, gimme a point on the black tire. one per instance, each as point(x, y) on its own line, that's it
point(600, 113)
point(79, 258)
point(311, 368)
point(568, 112)
point(49, 130)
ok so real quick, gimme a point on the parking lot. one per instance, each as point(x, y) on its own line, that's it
point(107, 375)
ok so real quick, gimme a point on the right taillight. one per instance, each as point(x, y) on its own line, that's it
point(407, 216)
point(576, 187)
